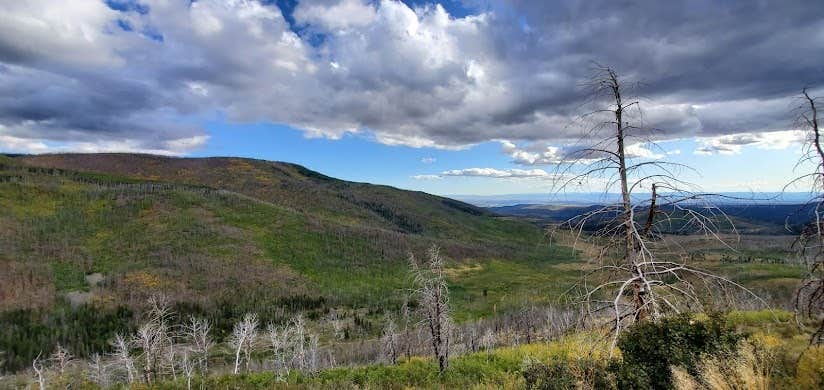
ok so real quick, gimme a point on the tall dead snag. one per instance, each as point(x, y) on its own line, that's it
point(433, 296)
point(242, 340)
point(196, 333)
point(809, 297)
point(39, 372)
point(153, 337)
point(636, 278)
point(389, 340)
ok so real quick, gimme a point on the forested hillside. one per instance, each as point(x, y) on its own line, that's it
point(86, 239)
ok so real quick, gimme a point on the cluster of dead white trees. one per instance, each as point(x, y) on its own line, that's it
point(159, 351)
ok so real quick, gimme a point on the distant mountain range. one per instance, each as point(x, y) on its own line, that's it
point(596, 198)
point(744, 218)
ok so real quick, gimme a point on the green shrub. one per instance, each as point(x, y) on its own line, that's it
point(564, 375)
point(552, 376)
point(676, 341)
point(629, 376)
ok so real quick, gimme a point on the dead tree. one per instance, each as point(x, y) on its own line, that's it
point(97, 371)
point(61, 358)
point(299, 353)
point(196, 333)
point(243, 338)
point(279, 345)
point(406, 318)
point(433, 294)
point(632, 280)
point(39, 372)
point(188, 368)
point(809, 297)
point(389, 340)
point(123, 357)
point(153, 337)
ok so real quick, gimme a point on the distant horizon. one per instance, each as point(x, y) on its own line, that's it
point(507, 197)
point(592, 198)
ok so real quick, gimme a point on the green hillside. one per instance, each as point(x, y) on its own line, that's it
point(86, 239)
point(223, 236)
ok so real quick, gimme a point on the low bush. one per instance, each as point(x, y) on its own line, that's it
point(679, 341)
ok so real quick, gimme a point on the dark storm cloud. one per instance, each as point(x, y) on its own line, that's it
point(415, 76)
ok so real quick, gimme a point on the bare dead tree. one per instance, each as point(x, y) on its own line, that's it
point(389, 340)
point(39, 372)
point(433, 293)
point(809, 297)
point(243, 338)
point(633, 280)
point(61, 358)
point(406, 318)
point(97, 371)
point(196, 333)
point(279, 344)
point(154, 338)
point(488, 340)
point(299, 354)
point(313, 353)
point(123, 357)
point(187, 366)
point(336, 321)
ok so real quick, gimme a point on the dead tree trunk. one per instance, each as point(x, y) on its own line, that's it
point(434, 298)
point(809, 297)
point(636, 280)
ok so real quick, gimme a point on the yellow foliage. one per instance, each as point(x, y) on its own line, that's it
point(749, 369)
point(592, 344)
point(143, 280)
point(810, 371)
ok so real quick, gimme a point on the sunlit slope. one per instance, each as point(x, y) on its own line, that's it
point(234, 232)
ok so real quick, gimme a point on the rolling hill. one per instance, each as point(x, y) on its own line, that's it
point(85, 239)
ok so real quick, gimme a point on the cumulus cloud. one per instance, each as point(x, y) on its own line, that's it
point(733, 144)
point(146, 74)
point(335, 15)
point(428, 160)
point(544, 154)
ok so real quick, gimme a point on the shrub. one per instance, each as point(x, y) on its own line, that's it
point(629, 376)
point(810, 371)
point(555, 375)
point(563, 375)
point(676, 341)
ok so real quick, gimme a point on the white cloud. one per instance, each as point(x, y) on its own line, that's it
point(428, 160)
point(489, 172)
point(10, 144)
point(69, 33)
point(343, 14)
point(78, 71)
point(427, 177)
point(734, 144)
point(542, 154)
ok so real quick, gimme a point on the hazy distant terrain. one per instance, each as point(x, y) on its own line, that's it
point(758, 217)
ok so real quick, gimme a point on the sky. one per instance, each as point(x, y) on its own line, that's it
point(456, 97)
